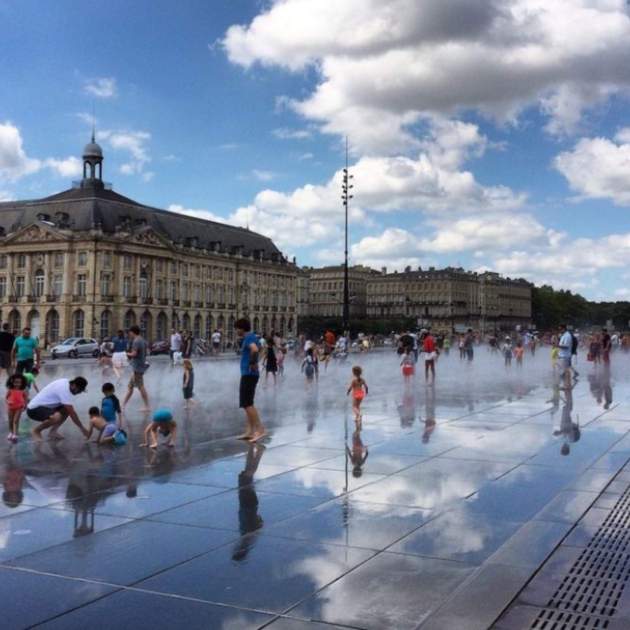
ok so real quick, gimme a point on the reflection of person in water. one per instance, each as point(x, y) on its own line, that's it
point(87, 488)
point(555, 393)
point(13, 482)
point(358, 454)
point(248, 518)
point(569, 430)
point(599, 383)
point(429, 408)
point(407, 408)
point(311, 409)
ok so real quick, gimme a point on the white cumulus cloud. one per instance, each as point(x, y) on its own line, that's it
point(133, 143)
point(14, 163)
point(599, 167)
point(101, 87)
point(382, 65)
point(68, 167)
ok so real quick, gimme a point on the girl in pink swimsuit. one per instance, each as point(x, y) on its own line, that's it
point(359, 390)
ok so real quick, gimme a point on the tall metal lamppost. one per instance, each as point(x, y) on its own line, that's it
point(346, 186)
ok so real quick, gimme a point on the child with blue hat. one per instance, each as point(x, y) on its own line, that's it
point(163, 423)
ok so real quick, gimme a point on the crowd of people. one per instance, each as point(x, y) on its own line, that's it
point(20, 357)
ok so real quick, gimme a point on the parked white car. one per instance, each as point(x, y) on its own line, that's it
point(74, 347)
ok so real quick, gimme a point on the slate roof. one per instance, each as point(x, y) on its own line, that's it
point(94, 206)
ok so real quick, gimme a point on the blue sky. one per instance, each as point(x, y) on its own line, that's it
point(492, 134)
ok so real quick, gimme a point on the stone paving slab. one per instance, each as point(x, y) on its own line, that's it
point(465, 495)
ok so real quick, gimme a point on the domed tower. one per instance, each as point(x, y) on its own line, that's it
point(92, 159)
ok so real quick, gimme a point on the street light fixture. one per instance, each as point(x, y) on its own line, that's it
point(346, 186)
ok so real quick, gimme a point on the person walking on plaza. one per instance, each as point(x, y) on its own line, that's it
point(216, 341)
point(138, 361)
point(469, 343)
point(187, 345)
point(25, 353)
point(359, 390)
point(606, 346)
point(175, 345)
point(429, 352)
point(188, 383)
point(7, 339)
point(250, 350)
point(507, 352)
point(565, 345)
point(119, 354)
point(270, 361)
point(54, 404)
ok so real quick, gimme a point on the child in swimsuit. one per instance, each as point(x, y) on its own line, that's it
point(408, 365)
point(359, 390)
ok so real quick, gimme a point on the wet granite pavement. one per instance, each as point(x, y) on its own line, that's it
point(464, 514)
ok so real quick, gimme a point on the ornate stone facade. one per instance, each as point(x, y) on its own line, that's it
point(88, 261)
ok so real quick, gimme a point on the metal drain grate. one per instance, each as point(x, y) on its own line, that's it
point(551, 619)
point(589, 594)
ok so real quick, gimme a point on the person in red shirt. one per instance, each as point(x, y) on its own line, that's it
point(429, 349)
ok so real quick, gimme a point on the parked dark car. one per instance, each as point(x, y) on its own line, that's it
point(159, 347)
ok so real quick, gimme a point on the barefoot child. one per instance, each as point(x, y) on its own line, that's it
point(17, 399)
point(97, 423)
point(163, 423)
point(408, 366)
point(108, 432)
point(310, 366)
point(188, 383)
point(359, 390)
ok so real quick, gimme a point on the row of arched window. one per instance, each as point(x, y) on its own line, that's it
point(197, 325)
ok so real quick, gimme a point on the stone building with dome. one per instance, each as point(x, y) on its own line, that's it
point(88, 261)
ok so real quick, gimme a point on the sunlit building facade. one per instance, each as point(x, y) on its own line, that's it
point(88, 261)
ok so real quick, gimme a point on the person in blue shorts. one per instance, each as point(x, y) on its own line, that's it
point(250, 350)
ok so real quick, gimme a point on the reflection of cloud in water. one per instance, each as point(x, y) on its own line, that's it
point(459, 532)
point(430, 487)
point(513, 441)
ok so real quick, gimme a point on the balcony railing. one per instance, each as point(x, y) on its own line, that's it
point(198, 304)
point(175, 302)
point(52, 298)
point(186, 303)
point(131, 299)
point(79, 297)
point(163, 301)
point(108, 298)
point(146, 300)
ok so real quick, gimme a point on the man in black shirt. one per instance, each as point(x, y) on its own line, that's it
point(6, 345)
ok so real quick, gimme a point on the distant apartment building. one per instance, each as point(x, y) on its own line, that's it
point(326, 290)
point(449, 299)
point(303, 282)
